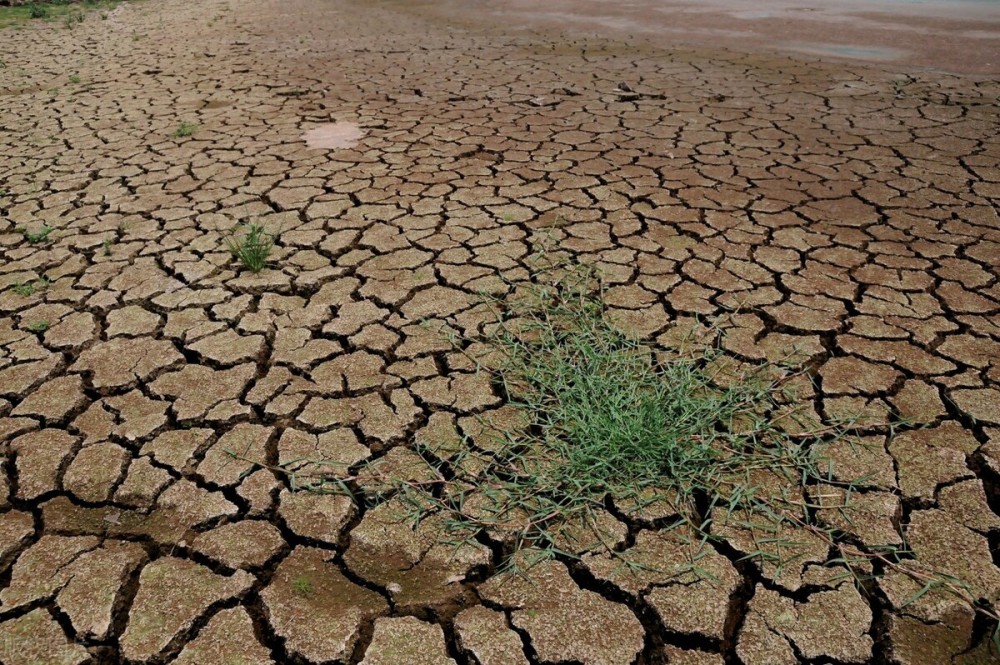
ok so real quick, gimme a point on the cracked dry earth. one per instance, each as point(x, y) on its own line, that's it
point(846, 212)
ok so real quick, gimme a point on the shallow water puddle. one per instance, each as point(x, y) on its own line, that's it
point(333, 135)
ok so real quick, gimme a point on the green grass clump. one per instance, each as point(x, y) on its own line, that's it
point(302, 586)
point(252, 246)
point(38, 326)
point(36, 237)
point(185, 129)
point(612, 419)
point(38, 11)
point(26, 289)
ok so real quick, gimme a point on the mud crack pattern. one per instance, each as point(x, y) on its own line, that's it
point(849, 217)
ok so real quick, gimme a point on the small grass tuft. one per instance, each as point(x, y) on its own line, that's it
point(185, 129)
point(302, 586)
point(36, 10)
point(251, 245)
point(27, 289)
point(74, 79)
point(36, 237)
point(38, 326)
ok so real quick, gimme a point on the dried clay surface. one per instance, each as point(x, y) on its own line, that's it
point(406, 162)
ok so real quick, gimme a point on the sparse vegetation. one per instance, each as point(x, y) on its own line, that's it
point(251, 245)
point(74, 79)
point(72, 13)
point(38, 326)
point(36, 237)
point(612, 420)
point(27, 289)
point(185, 129)
point(302, 586)
point(106, 244)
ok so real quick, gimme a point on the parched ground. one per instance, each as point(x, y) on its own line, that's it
point(849, 212)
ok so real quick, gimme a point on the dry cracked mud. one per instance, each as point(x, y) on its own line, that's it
point(152, 389)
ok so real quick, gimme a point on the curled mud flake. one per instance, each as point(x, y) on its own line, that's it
point(172, 594)
point(316, 515)
point(484, 634)
point(95, 582)
point(564, 622)
point(406, 641)
point(315, 609)
point(832, 624)
point(228, 638)
point(686, 582)
point(53, 400)
point(42, 569)
point(37, 638)
point(927, 458)
point(245, 544)
point(93, 472)
point(121, 362)
point(333, 136)
point(39, 457)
